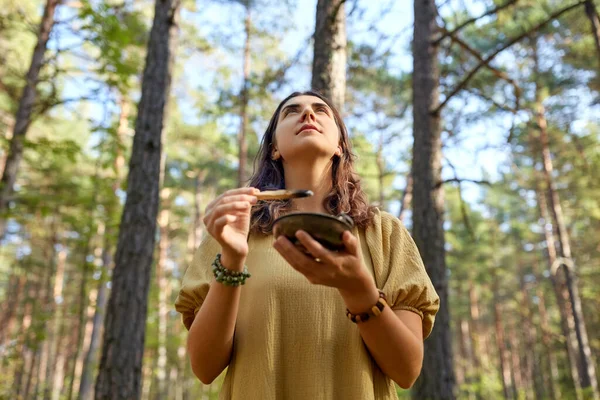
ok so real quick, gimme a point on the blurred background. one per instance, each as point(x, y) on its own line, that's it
point(476, 122)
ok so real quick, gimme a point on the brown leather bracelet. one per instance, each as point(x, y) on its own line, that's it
point(375, 311)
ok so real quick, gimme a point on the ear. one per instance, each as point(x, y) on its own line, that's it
point(275, 154)
point(338, 151)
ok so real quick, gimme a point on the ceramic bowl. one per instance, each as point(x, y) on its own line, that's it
point(325, 229)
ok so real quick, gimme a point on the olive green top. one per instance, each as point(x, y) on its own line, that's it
point(292, 338)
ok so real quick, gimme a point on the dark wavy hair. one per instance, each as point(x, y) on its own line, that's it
point(346, 195)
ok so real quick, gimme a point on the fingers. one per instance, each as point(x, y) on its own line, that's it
point(234, 208)
point(233, 201)
point(297, 259)
point(220, 223)
point(351, 243)
point(315, 248)
point(247, 191)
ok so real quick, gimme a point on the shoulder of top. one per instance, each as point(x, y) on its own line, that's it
point(388, 218)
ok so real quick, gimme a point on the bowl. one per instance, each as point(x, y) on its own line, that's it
point(324, 228)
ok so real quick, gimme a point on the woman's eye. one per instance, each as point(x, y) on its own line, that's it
point(322, 109)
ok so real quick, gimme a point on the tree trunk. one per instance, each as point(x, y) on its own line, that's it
point(380, 163)
point(406, 197)
point(89, 363)
point(474, 333)
point(592, 13)
point(503, 354)
point(531, 356)
point(585, 365)
point(515, 353)
point(560, 290)
point(329, 60)
point(91, 356)
point(12, 302)
point(437, 378)
point(242, 137)
point(467, 345)
point(552, 376)
point(55, 321)
point(25, 110)
point(163, 294)
point(120, 374)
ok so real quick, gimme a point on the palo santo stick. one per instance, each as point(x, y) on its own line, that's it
point(283, 194)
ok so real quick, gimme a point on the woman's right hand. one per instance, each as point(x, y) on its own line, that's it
point(227, 219)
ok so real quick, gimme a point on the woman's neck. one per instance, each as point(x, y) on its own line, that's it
point(309, 176)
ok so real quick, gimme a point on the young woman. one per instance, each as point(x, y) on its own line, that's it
point(285, 333)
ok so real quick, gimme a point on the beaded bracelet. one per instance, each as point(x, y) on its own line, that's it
point(375, 311)
point(227, 276)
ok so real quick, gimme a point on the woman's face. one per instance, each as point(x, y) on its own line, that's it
point(306, 129)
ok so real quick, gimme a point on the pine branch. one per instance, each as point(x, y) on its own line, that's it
point(489, 58)
point(460, 180)
point(472, 20)
point(497, 72)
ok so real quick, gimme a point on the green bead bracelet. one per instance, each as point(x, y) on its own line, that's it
point(227, 276)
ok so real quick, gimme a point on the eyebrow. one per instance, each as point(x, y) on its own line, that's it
point(313, 105)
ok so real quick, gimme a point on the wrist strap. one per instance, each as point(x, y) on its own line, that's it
point(375, 311)
point(227, 276)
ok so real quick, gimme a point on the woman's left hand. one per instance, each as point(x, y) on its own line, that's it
point(343, 270)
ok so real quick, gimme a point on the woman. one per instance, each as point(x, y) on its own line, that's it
point(285, 334)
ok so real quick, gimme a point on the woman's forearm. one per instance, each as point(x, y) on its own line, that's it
point(210, 339)
point(395, 348)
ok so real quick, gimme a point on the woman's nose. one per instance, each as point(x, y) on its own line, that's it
point(308, 114)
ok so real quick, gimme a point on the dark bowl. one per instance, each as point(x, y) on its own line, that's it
point(325, 229)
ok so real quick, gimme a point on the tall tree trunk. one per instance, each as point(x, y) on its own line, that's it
point(592, 13)
point(13, 300)
point(406, 197)
point(516, 351)
point(560, 289)
point(163, 294)
point(55, 321)
point(120, 374)
point(329, 60)
point(467, 345)
point(25, 110)
point(380, 163)
point(474, 334)
point(437, 377)
point(91, 357)
point(552, 376)
point(586, 368)
point(242, 137)
point(503, 354)
point(531, 356)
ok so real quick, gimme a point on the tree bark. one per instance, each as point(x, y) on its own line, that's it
point(12, 302)
point(120, 373)
point(406, 197)
point(89, 363)
point(503, 354)
point(552, 376)
point(585, 365)
point(592, 13)
point(242, 137)
point(587, 371)
point(437, 378)
point(55, 321)
point(560, 290)
point(25, 110)
point(329, 60)
point(163, 294)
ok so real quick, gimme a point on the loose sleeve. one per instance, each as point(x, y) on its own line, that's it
point(196, 281)
point(402, 275)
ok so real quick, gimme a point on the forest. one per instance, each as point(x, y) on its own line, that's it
point(475, 122)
